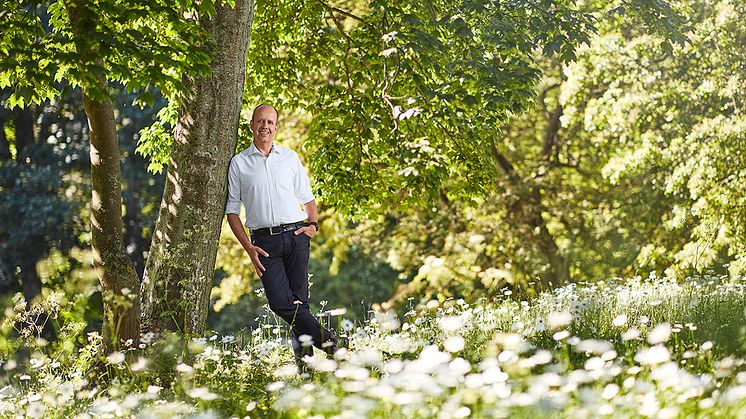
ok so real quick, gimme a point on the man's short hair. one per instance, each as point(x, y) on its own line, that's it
point(277, 114)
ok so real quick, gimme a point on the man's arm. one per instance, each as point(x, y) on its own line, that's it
point(254, 251)
point(304, 194)
point(232, 209)
point(313, 215)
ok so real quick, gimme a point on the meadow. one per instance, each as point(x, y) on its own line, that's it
point(640, 347)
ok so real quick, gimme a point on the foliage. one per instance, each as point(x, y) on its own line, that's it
point(637, 347)
point(671, 130)
point(42, 189)
point(156, 139)
point(609, 162)
point(407, 100)
point(140, 44)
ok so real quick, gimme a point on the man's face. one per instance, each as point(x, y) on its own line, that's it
point(264, 124)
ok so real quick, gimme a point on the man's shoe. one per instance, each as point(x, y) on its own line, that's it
point(342, 342)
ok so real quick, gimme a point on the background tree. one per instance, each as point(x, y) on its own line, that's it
point(138, 44)
point(614, 147)
point(42, 153)
point(410, 110)
point(674, 129)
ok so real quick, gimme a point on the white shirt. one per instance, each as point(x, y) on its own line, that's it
point(271, 188)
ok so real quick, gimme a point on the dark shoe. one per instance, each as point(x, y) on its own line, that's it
point(341, 342)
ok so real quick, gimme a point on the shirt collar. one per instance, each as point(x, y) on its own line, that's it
point(276, 149)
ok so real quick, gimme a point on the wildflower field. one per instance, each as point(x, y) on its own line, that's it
point(644, 347)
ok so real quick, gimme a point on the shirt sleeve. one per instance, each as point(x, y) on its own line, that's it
point(302, 183)
point(233, 206)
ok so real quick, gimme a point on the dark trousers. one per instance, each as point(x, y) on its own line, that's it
point(285, 281)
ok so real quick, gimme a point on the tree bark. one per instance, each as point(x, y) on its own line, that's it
point(550, 135)
point(526, 210)
point(116, 271)
point(180, 268)
point(117, 274)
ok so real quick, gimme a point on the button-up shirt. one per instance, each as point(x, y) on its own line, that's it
point(271, 188)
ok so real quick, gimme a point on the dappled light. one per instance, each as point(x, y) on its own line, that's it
point(351, 209)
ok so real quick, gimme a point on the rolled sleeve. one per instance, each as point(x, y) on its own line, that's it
point(302, 184)
point(233, 205)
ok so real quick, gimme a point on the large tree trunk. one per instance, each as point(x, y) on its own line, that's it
point(180, 268)
point(119, 281)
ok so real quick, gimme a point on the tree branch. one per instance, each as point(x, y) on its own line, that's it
point(344, 33)
point(350, 15)
point(543, 95)
point(504, 164)
point(570, 166)
point(550, 136)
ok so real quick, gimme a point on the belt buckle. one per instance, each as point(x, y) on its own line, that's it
point(272, 232)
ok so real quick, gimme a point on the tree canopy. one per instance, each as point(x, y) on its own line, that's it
point(509, 142)
point(407, 100)
point(139, 44)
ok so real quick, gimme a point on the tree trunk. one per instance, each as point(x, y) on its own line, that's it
point(119, 281)
point(559, 274)
point(180, 268)
point(526, 211)
point(29, 277)
point(24, 123)
point(4, 145)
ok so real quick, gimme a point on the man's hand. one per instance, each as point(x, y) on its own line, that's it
point(313, 215)
point(254, 252)
point(307, 230)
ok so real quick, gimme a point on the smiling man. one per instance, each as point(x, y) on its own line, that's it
point(281, 216)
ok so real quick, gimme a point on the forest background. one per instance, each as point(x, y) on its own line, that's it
point(461, 151)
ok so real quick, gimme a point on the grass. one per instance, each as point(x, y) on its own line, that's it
point(638, 347)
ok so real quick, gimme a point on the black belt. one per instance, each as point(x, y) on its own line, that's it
point(273, 231)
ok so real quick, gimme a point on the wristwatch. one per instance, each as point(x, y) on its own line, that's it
point(315, 224)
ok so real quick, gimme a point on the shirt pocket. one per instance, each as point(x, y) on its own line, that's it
point(285, 179)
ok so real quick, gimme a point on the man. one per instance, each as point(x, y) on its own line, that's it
point(272, 184)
